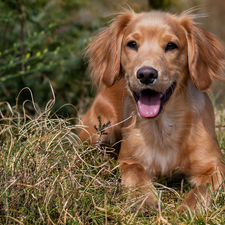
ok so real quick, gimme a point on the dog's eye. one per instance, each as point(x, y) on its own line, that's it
point(132, 44)
point(171, 46)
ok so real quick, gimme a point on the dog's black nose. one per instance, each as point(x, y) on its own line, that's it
point(147, 75)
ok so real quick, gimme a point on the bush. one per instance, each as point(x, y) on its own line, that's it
point(43, 41)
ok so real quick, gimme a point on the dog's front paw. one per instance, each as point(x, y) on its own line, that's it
point(141, 192)
point(143, 200)
point(183, 208)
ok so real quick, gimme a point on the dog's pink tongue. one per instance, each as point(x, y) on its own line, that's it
point(149, 103)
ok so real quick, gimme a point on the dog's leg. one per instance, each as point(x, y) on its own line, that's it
point(200, 197)
point(139, 185)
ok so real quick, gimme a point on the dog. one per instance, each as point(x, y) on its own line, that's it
point(153, 70)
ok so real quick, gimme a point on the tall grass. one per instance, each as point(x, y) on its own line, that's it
point(49, 177)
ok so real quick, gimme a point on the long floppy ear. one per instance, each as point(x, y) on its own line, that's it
point(105, 51)
point(205, 54)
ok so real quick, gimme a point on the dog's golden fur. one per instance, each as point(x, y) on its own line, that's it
point(181, 137)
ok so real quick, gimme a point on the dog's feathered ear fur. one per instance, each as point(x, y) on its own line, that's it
point(105, 51)
point(205, 53)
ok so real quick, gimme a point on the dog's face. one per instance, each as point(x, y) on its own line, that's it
point(154, 58)
point(158, 54)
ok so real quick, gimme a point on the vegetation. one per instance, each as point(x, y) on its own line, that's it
point(43, 41)
point(49, 177)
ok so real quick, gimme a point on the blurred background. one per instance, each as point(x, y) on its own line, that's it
point(42, 42)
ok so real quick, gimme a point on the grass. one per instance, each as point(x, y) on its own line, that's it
point(49, 177)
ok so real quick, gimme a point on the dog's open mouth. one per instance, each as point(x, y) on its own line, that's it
point(150, 103)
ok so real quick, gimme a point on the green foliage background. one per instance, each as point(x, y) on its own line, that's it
point(42, 41)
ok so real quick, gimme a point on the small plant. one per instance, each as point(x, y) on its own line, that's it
point(101, 128)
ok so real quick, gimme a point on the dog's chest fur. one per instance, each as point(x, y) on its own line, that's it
point(157, 143)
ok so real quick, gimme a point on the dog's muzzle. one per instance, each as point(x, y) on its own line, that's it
point(150, 103)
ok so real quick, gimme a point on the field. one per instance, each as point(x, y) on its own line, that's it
point(48, 176)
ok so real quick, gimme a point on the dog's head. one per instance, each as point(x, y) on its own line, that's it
point(157, 53)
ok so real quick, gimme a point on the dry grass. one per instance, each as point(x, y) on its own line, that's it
point(49, 177)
